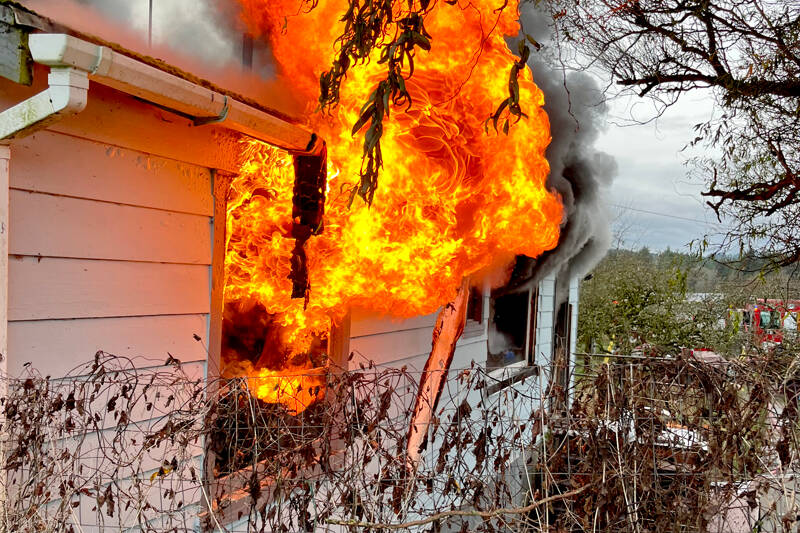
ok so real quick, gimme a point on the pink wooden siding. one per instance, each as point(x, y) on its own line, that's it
point(110, 248)
point(111, 234)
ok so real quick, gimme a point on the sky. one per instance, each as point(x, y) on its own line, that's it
point(657, 204)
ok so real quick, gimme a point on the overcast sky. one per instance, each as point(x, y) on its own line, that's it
point(658, 204)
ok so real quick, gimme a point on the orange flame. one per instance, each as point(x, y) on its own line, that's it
point(451, 200)
point(296, 389)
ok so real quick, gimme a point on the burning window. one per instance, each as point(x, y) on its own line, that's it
point(267, 336)
point(253, 347)
point(276, 350)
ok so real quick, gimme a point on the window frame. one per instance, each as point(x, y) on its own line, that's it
point(531, 336)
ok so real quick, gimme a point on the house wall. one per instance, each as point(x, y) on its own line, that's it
point(390, 341)
point(110, 241)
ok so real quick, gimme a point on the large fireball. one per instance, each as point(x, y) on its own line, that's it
point(451, 199)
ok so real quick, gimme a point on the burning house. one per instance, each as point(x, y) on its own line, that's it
point(156, 216)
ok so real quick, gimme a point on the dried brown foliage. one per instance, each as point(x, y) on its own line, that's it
point(654, 445)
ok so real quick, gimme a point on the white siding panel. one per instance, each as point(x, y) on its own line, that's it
point(386, 348)
point(411, 347)
point(62, 164)
point(55, 226)
point(544, 353)
point(545, 319)
point(70, 288)
point(547, 287)
point(56, 346)
point(364, 323)
point(468, 352)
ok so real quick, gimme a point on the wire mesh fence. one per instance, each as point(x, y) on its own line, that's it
point(636, 445)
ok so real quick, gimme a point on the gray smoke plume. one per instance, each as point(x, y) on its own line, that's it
point(578, 171)
point(190, 27)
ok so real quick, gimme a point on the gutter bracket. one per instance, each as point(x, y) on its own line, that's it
point(202, 121)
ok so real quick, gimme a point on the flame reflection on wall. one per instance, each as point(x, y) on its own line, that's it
point(452, 200)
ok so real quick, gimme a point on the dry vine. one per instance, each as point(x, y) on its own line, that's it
point(668, 444)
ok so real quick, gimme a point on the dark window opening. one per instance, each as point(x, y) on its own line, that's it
point(511, 328)
point(475, 305)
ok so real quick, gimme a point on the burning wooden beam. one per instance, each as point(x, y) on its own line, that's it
point(449, 327)
point(308, 208)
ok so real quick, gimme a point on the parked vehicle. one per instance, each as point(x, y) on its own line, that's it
point(769, 320)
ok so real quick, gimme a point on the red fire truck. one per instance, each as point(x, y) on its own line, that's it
point(771, 320)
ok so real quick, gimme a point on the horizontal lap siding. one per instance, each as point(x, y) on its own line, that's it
point(66, 165)
point(49, 288)
point(391, 341)
point(392, 347)
point(365, 323)
point(544, 321)
point(54, 226)
point(110, 238)
point(146, 339)
point(110, 235)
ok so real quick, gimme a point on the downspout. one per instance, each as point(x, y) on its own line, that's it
point(67, 94)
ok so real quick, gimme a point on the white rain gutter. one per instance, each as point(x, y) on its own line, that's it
point(67, 94)
point(205, 106)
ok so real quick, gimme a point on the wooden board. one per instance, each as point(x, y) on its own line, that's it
point(15, 57)
point(55, 226)
point(73, 288)
point(66, 165)
point(56, 346)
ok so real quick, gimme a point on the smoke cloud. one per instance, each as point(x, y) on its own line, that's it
point(578, 171)
point(203, 37)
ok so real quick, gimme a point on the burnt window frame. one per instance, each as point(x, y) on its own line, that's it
point(338, 351)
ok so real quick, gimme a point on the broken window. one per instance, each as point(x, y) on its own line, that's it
point(512, 317)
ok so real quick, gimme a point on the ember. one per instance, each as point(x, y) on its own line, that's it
point(452, 201)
